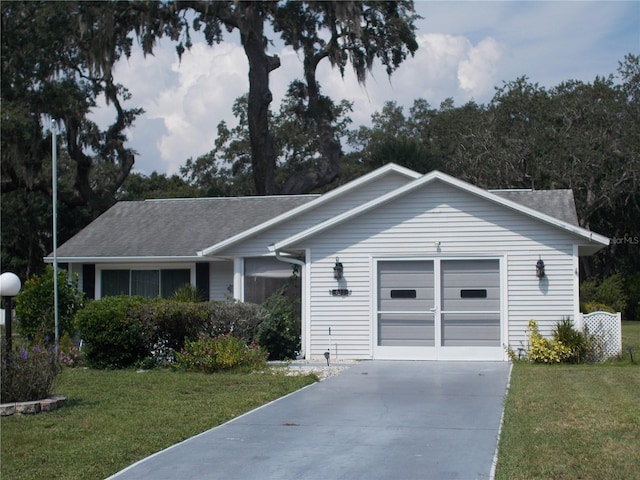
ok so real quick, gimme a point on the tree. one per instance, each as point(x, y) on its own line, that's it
point(141, 187)
point(358, 33)
point(57, 61)
point(344, 32)
point(226, 170)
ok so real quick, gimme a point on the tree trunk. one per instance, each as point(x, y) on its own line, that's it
point(260, 65)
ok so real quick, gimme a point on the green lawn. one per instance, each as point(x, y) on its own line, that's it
point(574, 421)
point(114, 418)
point(561, 421)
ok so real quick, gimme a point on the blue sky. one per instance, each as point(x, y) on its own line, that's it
point(466, 49)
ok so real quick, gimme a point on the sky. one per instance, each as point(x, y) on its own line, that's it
point(466, 49)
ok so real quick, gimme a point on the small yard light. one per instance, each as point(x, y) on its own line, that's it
point(9, 288)
point(540, 268)
point(338, 270)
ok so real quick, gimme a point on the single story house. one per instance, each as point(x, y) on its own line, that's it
point(393, 265)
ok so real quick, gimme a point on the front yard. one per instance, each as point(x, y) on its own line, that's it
point(115, 417)
point(574, 421)
point(560, 421)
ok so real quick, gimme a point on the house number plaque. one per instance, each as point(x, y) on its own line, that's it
point(340, 292)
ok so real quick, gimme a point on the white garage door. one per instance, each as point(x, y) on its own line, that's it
point(438, 309)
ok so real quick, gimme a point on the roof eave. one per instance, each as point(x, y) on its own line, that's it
point(126, 259)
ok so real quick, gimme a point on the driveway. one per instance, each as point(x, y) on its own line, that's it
point(376, 420)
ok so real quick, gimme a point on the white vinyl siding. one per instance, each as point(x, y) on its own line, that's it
point(221, 280)
point(411, 226)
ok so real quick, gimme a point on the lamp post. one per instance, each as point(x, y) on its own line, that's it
point(9, 288)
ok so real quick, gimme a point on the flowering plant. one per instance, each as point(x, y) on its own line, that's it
point(28, 373)
point(211, 354)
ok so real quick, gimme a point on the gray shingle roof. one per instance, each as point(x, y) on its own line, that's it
point(173, 227)
point(182, 227)
point(558, 204)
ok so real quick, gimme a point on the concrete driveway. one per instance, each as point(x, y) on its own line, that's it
point(376, 420)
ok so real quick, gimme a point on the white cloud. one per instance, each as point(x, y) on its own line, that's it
point(477, 73)
point(209, 79)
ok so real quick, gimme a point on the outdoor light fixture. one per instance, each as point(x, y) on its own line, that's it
point(9, 288)
point(540, 268)
point(338, 270)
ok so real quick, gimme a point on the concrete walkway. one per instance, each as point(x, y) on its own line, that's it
point(376, 420)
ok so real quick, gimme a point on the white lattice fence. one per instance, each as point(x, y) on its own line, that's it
point(607, 331)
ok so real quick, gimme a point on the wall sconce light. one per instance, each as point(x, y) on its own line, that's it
point(540, 268)
point(338, 270)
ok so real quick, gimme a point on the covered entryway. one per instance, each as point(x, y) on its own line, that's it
point(438, 309)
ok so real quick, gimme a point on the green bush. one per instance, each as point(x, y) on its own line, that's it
point(612, 292)
point(28, 373)
point(280, 332)
point(166, 324)
point(187, 293)
point(241, 320)
point(113, 339)
point(576, 341)
point(35, 305)
point(208, 355)
point(609, 295)
point(632, 290)
point(591, 307)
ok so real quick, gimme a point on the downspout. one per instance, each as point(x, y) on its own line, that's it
point(292, 260)
point(303, 320)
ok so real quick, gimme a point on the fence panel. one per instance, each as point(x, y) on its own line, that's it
point(607, 331)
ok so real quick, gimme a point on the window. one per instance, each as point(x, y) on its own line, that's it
point(478, 293)
point(146, 283)
point(403, 294)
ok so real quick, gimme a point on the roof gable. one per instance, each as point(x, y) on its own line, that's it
point(597, 241)
point(361, 182)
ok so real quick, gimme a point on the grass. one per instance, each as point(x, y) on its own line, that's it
point(114, 418)
point(574, 421)
point(561, 421)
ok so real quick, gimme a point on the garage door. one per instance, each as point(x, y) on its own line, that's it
point(438, 309)
point(406, 304)
point(470, 312)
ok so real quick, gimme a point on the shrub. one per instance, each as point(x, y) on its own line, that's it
point(612, 292)
point(610, 295)
point(208, 355)
point(632, 290)
point(591, 307)
point(576, 341)
point(280, 332)
point(241, 320)
point(544, 350)
point(187, 293)
point(113, 338)
point(28, 373)
point(68, 354)
point(35, 304)
point(166, 324)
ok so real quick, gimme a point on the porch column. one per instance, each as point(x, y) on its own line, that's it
point(238, 279)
